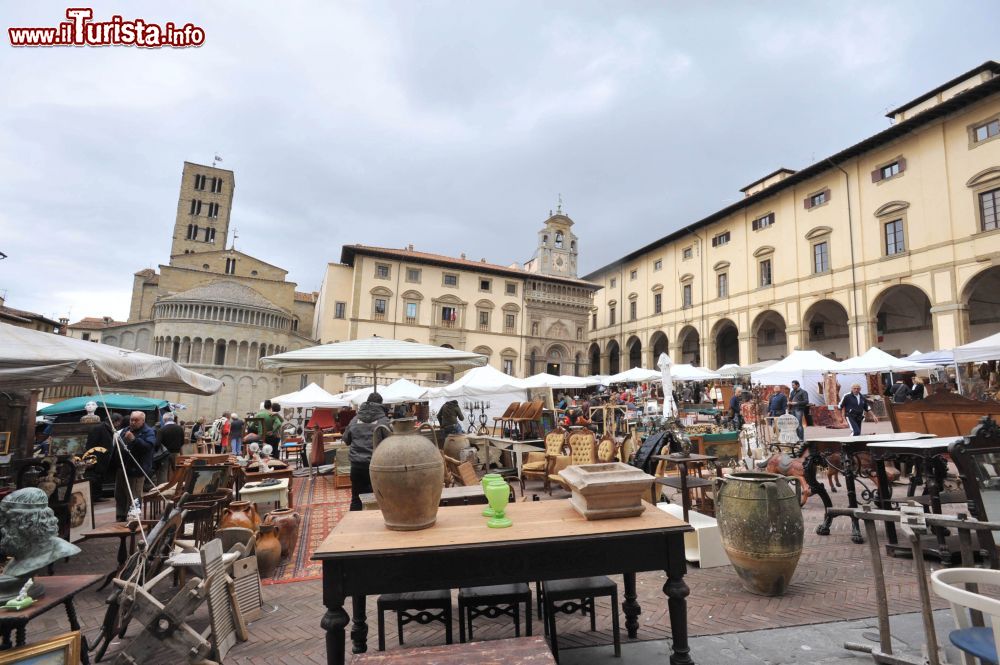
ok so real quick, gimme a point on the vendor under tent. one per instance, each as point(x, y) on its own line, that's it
point(372, 354)
point(111, 401)
point(979, 351)
point(808, 368)
point(635, 375)
point(397, 392)
point(310, 397)
point(875, 360)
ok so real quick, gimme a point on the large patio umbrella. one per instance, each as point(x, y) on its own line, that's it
point(34, 359)
point(372, 354)
point(110, 401)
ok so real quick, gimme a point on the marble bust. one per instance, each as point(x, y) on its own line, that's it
point(90, 417)
point(29, 534)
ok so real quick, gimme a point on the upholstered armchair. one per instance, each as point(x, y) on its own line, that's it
point(582, 450)
point(607, 449)
point(536, 464)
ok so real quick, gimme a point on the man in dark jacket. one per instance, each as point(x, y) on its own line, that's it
point(360, 436)
point(448, 417)
point(171, 437)
point(854, 406)
point(777, 405)
point(798, 406)
point(900, 392)
point(735, 402)
point(138, 439)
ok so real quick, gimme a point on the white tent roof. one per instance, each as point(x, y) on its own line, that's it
point(635, 375)
point(371, 354)
point(979, 351)
point(732, 370)
point(932, 358)
point(397, 392)
point(486, 380)
point(797, 363)
point(597, 379)
point(34, 359)
point(688, 372)
point(312, 396)
point(877, 360)
point(544, 380)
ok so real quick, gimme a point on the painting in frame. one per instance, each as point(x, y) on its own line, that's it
point(81, 511)
point(4, 443)
point(61, 650)
point(69, 439)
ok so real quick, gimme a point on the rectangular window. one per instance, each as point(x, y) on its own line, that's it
point(486, 285)
point(889, 170)
point(510, 288)
point(721, 239)
point(382, 271)
point(450, 279)
point(989, 209)
point(657, 303)
point(987, 130)
point(86, 337)
point(763, 222)
point(611, 316)
point(209, 235)
point(199, 182)
point(614, 282)
point(633, 275)
point(508, 366)
point(509, 322)
point(213, 209)
point(230, 266)
point(687, 253)
point(339, 310)
point(766, 277)
point(449, 314)
point(380, 307)
point(894, 237)
point(217, 185)
point(632, 310)
point(817, 199)
point(484, 320)
point(195, 207)
point(413, 275)
point(657, 265)
point(411, 312)
point(192, 233)
point(723, 283)
point(821, 257)
point(686, 295)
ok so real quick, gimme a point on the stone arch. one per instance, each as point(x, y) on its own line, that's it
point(412, 295)
point(725, 342)
point(614, 357)
point(657, 344)
point(381, 291)
point(219, 357)
point(827, 330)
point(577, 364)
point(244, 395)
point(110, 339)
point(143, 340)
point(242, 354)
point(556, 356)
point(185, 354)
point(594, 356)
point(128, 340)
point(901, 320)
point(196, 346)
point(634, 346)
point(689, 343)
point(208, 352)
point(485, 304)
point(485, 350)
point(768, 339)
point(232, 352)
point(981, 298)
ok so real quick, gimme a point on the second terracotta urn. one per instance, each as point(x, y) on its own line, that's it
point(287, 522)
point(268, 550)
point(406, 471)
point(241, 514)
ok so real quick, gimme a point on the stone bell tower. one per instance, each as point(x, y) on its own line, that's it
point(557, 246)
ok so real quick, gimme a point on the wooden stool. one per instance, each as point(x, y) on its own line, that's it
point(421, 602)
point(493, 601)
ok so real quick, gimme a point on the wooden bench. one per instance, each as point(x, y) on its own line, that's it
point(511, 651)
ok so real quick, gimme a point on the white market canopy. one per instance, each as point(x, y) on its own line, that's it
point(876, 360)
point(932, 358)
point(372, 354)
point(544, 380)
point(479, 382)
point(688, 372)
point(635, 375)
point(397, 392)
point(310, 397)
point(732, 370)
point(34, 359)
point(979, 351)
point(793, 366)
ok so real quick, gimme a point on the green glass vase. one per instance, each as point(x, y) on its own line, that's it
point(498, 494)
point(487, 511)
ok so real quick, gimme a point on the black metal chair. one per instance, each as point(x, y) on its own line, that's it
point(579, 595)
point(416, 606)
point(492, 602)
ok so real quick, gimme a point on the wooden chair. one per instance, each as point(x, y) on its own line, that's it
point(530, 421)
point(516, 430)
point(582, 450)
point(536, 465)
point(505, 419)
point(463, 474)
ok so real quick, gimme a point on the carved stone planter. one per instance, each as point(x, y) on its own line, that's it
point(605, 491)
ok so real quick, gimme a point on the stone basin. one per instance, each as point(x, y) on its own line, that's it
point(607, 490)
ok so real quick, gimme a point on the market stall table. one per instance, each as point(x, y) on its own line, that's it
point(59, 590)
point(848, 447)
point(683, 482)
point(548, 540)
point(259, 493)
point(518, 448)
point(928, 454)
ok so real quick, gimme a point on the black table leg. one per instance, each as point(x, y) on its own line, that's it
point(19, 638)
point(6, 643)
point(677, 592)
point(885, 502)
point(851, 464)
point(631, 606)
point(813, 460)
point(359, 631)
point(74, 624)
point(334, 622)
point(935, 472)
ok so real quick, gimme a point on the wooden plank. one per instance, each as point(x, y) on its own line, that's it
point(248, 592)
point(511, 651)
point(365, 531)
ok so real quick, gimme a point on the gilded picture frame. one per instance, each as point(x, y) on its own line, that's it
point(61, 650)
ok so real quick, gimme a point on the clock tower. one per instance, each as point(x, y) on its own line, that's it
point(557, 247)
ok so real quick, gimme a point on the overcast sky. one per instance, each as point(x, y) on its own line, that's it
point(449, 125)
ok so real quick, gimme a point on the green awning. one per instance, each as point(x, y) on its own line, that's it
point(112, 401)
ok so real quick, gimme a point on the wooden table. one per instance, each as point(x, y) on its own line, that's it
point(450, 496)
point(683, 482)
point(283, 473)
point(929, 455)
point(518, 448)
point(549, 540)
point(849, 447)
point(59, 590)
point(277, 494)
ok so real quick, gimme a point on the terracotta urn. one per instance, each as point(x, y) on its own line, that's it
point(607, 490)
point(268, 550)
point(287, 522)
point(760, 522)
point(241, 514)
point(406, 471)
point(454, 444)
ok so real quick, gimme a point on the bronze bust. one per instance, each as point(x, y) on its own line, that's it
point(29, 537)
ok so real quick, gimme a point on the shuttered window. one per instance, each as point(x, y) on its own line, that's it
point(817, 199)
point(889, 170)
point(762, 222)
